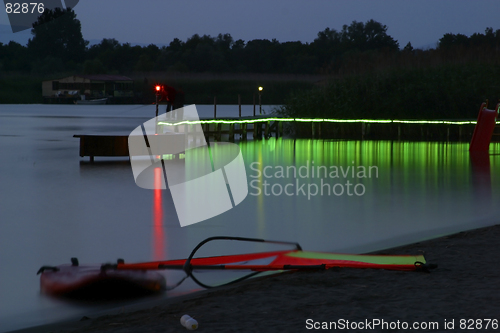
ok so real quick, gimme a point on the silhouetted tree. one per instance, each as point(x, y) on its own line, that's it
point(58, 33)
point(258, 56)
point(449, 40)
point(408, 47)
point(58, 45)
point(14, 57)
point(236, 54)
point(371, 35)
point(326, 48)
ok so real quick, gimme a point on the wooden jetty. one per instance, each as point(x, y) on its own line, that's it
point(234, 129)
point(118, 145)
point(260, 127)
point(264, 127)
point(102, 145)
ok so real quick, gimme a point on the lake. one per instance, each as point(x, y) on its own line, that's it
point(328, 195)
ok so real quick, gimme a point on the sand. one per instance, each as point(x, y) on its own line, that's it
point(464, 287)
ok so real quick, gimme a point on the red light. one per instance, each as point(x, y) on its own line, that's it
point(158, 88)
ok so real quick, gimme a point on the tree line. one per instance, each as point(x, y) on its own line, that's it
point(58, 46)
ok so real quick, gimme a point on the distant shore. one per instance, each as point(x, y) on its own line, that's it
point(199, 88)
point(462, 292)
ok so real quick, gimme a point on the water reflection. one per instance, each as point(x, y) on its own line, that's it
point(415, 190)
point(345, 195)
point(158, 228)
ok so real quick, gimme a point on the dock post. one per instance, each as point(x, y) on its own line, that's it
point(254, 105)
point(280, 129)
point(313, 130)
point(266, 130)
point(257, 131)
point(218, 133)
point(231, 132)
point(157, 101)
point(260, 100)
point(206, 130)
point(244, 131)
point(215, 107)
point(239, 104)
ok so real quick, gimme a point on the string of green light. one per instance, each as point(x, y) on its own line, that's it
point(317, 120)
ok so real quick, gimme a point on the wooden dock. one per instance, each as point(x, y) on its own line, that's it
point(260, 127)
point(92, 145)
point(103, 145)
point(264, 127)
point(234, 129)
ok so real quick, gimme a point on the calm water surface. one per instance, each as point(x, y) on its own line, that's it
point(55, 205)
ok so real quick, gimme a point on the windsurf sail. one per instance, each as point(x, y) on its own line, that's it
point(295, 259)
point(70, 279)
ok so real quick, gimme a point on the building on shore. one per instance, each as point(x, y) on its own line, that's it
point(116, 88)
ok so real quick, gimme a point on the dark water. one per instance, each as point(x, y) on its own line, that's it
point(55, 205)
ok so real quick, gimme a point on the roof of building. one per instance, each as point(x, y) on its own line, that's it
point(105, 77)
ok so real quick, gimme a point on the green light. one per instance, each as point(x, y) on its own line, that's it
point(309, 120)
point(319, 120)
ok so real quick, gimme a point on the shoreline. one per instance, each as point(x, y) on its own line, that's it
point(465, 286)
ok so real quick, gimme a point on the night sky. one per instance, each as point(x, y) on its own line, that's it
point(420, 22)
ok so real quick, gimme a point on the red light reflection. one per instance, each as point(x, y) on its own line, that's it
point(158, 232)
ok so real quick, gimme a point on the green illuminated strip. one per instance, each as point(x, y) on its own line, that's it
point(194, 122)
point(319, 120)
point(374, 121)
point(372, 259)
point(434, 122)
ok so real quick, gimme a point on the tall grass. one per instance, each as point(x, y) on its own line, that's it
point(447, 91)
point(22, 89)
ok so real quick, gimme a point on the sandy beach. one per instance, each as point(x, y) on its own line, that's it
point(463, 293)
